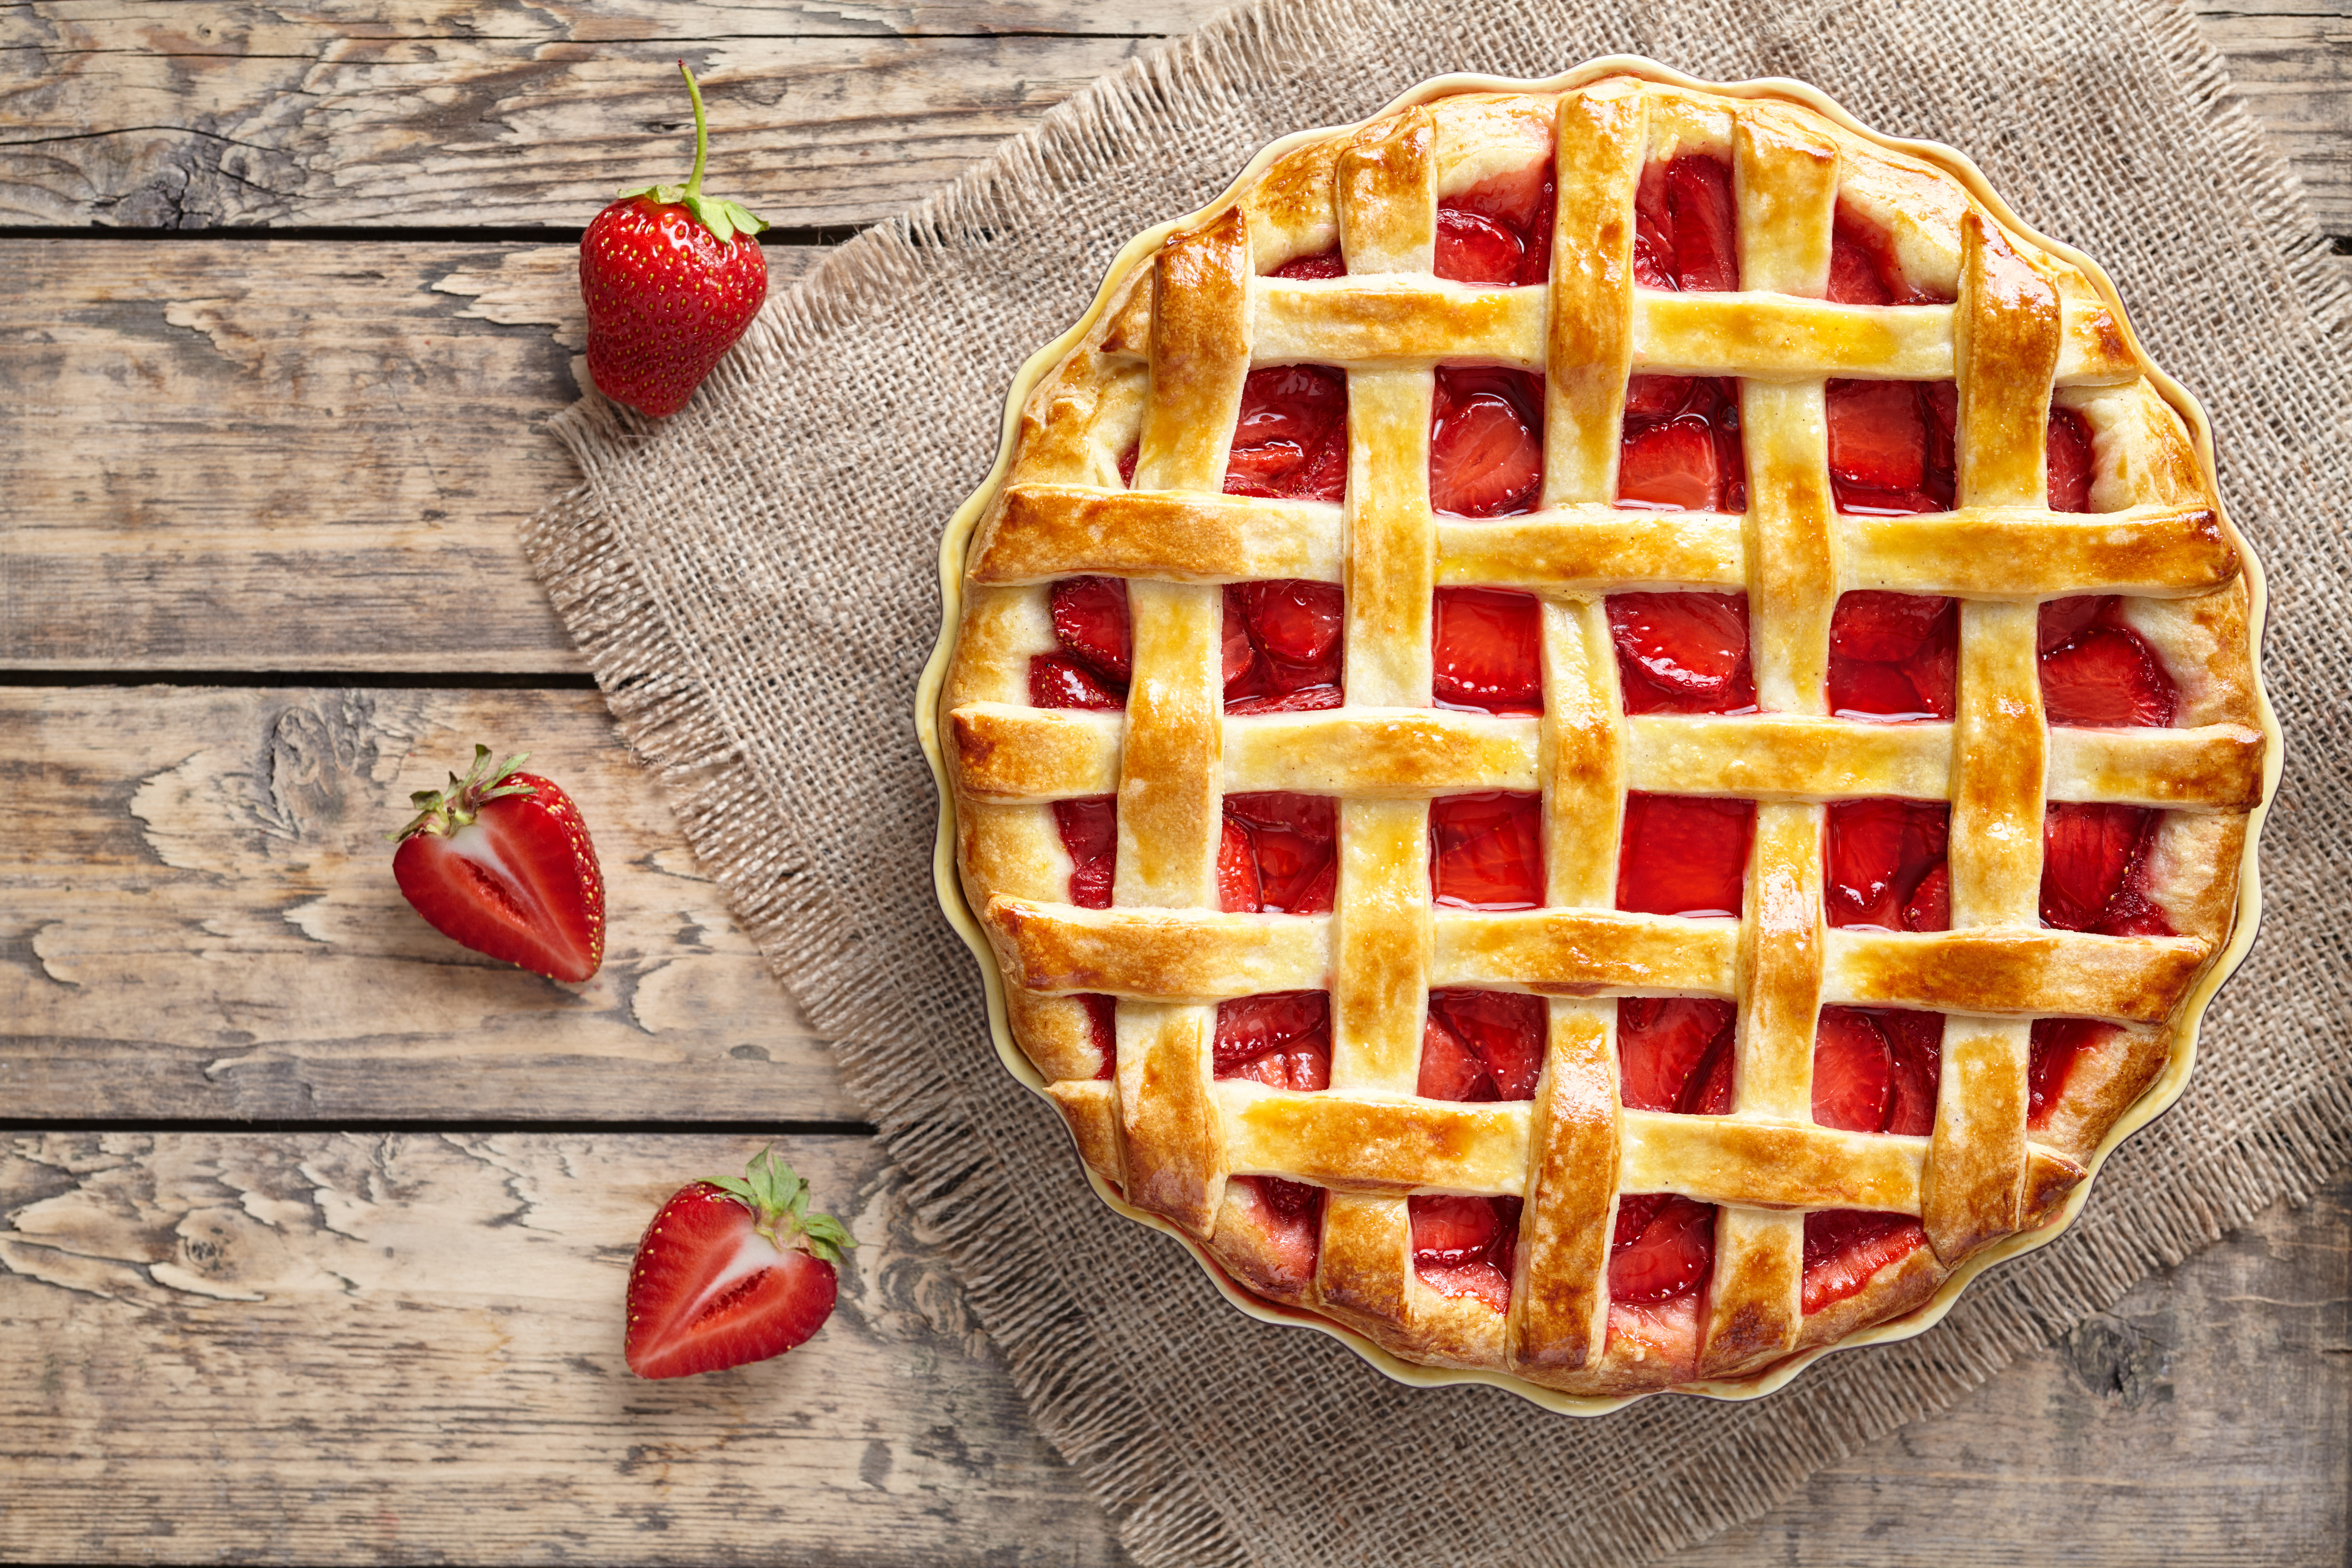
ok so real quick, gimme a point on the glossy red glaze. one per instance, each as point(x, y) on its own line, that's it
point(1486, 441)
point(1894, 656)
point(1486, 850)
point(1673, 1053)
point(1680, 449)
point(1482, 1046)
point(1682, 653)
point(1882, 864)
point(1283, 647)
point(1290, 441)
point(1281, 1039)
point(1488, 651)
point(1278, 856)
point(1684, 854)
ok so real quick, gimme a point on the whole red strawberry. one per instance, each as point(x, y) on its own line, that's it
point(500, 861)
point(671, 277)
point(731, 1270)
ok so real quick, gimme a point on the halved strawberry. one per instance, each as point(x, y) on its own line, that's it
point(1322, 264)
point(1486, 850)
point(1681, 448)
point(1684, 854)
point(1482, 1045)
point(1488, 653)
point(1499, 231)
point(1663, 1247)
point(1682, 653)
point(1092, 622)
point(2108, 676)
point(1291, 439)
point(501, 862)
point(2056, 1044)
point(1673, 1053)
point(1854, 1072)
point(1281, 850)
point(2091, 860)
point(1282, 646)
point(1057, 681)
point(731, 1270)
point(1089, 830)
point(1845, 1247)
point(1475, 249)
point(1916, 1041)
point(1282, 1039)
point(1486, 441)
point(1880, 852)
point(1464, 1245)
point(2066, 461)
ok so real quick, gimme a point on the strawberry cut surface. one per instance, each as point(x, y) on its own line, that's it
point(1844, 1248)
point(1876, 1069)
point(1886, 864)
point(1686, 229)
point(1674, 1053)
point(502, 862)
point(2099, 673)
point(1894, 656)
point(1499, 231)
point(1891, 445)
point(1282, 646)
point(1684, 854)
point(1466, 1246)
point(2056, 1045)
point(1093, 628)
point(1663, 1248)
point(1281, 1039)
point(1486, 850)
point(1682, 653)
point(1488, 653)
point(2093, 865)
point(1486, 441)
point(1089, 830)
point(1278, 856)
point(1482, 1046)
point(1680, 449)
point(1291, 440)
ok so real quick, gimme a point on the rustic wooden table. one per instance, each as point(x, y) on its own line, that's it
point(313, 1231)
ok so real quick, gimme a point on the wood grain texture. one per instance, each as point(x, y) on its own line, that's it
point(198, 919)
point(202, 114)
point(407, 1347)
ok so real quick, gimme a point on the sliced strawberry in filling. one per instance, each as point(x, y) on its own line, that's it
point(1486, 441)
point(2097, 672)
point(1089, 830)
point(1481, 1046)
point(1661, 1251)
point(1498, 232)
point(2057, 1045)
point(1680, 449)
point(1916, 1043)
point(1876, 1069)
point(1277, 856)
point(2066, 461)
point(1894, 656)
point(1486, 850)
point(1488, 652)
point(1289, 1215)
point(1291, 439)
point(1282, 646)
point(2094, 865)
point(1891, 445)
point(1883, 853)
point(1684, 854)
point(1464, 1245)
point(1322, 264)
point(1126, 461)
point(1094, 628)
point(1686, 229)
point(1673, 1053)
point(1864, 269)
point(1845, 1247)
point(1682, 653)
point(1102, 1030)
point(1281, 1039)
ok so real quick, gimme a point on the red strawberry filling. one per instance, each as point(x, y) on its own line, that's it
point(1282, 650)
point(1684, 854)
point(1281, 1039)
point(1102, 1031)
point(1876, 1069)
point(1844, 1247)
point(1488, 652)
point(1674, 1053)
point(1682, 653)
point(1486, 850)
point(1486, 441)
point(1864, 269)
point(1465, 1247)
point(2057, 1045)
point(1894, 656)
point(1090, 667)
point(1290, 1216)
point(1498, 232)
point(1891, 445)
point(1277, 856)
point(2067, 463)
point(1481, 1046)
point(1322, 264)
point(1089, 830)
point(1681, 450)
point(1291, 440)
point(2094, 868)
point(1685, 230)
point(2096, 672)
point(1886, 864)
point(1661, 1251)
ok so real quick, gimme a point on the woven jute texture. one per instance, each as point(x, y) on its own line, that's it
point(755, 584)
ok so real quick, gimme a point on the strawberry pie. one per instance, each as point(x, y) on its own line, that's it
point(1600, 733)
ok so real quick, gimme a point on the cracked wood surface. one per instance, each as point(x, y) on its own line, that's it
point(198, 919)
point(202, 114)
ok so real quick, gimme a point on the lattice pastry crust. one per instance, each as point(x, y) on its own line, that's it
point(1159, 371)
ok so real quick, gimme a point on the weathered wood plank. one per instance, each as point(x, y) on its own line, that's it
point(408, 1348)
point(434, 113)
point(198, 919)
point(2206, 1421)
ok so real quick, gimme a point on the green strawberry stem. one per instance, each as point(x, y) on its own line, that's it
point(779, 1200)
point(445, 810)
point(721, 217)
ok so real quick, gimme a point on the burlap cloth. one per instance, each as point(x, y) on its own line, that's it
point(755, 584)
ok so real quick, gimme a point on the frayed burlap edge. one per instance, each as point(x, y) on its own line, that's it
point(660, 688)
